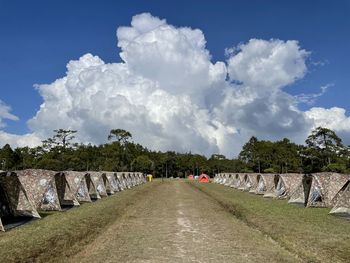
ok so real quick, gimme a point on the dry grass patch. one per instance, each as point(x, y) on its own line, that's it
point(312, 234)
point(62, 234)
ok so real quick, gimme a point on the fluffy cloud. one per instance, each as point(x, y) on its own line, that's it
point(170, 95)
point(267, 65)
point(30, 139)
point(5, 114)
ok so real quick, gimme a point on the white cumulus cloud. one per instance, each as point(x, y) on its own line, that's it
point(5, 114)
point(170, 95)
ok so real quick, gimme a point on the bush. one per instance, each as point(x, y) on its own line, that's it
point(335, 167)
point(269, 170)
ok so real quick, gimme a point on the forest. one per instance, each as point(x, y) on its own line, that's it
point(323, 151)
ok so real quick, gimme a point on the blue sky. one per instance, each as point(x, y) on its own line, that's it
point(38, 38)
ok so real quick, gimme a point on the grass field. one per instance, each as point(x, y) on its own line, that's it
point(62, 234)
point(312, 234)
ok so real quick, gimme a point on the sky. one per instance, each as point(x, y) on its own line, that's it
point(198, 76)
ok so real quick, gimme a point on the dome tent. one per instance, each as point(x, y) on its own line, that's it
point(203, 178)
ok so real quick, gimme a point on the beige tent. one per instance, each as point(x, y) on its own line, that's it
point(97, 180)
point(261, 186)
point(14, 200)
point(301, 194)
point(78, 185)
point(248, 182)
point(110, 182)
point(253, 181)
point(270, 181)
point(242, 182)
point(91, 186)
point(236, 181)
point(324, 188)
point(40, 186)
point(120, 181)
point(342, 201)
point(286, 184)
point(127, 180)
point(65, 192)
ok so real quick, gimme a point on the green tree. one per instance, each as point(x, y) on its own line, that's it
point(323, 147)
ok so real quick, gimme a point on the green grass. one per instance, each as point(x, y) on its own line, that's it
point(311, 233)
point(63, 234)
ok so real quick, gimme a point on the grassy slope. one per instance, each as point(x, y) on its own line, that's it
point(65, 233)
point(311, 233)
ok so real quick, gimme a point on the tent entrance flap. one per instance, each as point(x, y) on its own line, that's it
point(8, 218)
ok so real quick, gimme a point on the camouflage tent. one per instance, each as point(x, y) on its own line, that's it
point(221, 178)
point(342, 201)
point(40, 186)
point(301, 193)
point(247, 182)
point(14, 200)
point(230, 180)
point(253, 182)
point(324, 188)
point(132, 179)
point(65, 193)
point(120, 181)
point(138, 176)
point(270, 181)
point(227, 179)
point(261, 186)
point(110, 182)
point(286, 184)
point(242, 182)
point(236, 182)
point(78, 185)
point(92, 187)
point(127, 179)
point(97, 180)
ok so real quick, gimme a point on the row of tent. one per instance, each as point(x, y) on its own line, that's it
point(23, 194)
point(310, 190)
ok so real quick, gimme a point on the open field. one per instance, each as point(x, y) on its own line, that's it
point(61, 234)
point(311, 233)
point(181, 221)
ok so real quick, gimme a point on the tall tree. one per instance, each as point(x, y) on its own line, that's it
point(326, 142)
point(122, 136)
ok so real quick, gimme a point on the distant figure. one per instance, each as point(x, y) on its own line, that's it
point(190, 177)
point(203, 178)
point(149, 177)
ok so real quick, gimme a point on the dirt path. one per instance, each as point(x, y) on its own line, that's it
point(177, 223)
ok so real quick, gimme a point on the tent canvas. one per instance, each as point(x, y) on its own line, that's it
point(204, 178)
point(14, 201)
point(261, 186)
point(227, 179)
point(40, 186)
point(65, 194)
point(270, 182)
point(247, 182)
point(231, 180)
point(324, 188)
point(78, 185)
point(242, 182)
point(127, 179)
point(286, 184)
point(253, 178)
point(120, 181)
point(342, 201)
point(133, 179)
point(236, 180)
point(110, 182)
point(96, 177)
point(92, 188)
point(301, 194)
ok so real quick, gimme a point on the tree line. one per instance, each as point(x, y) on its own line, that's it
point(323, 151)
